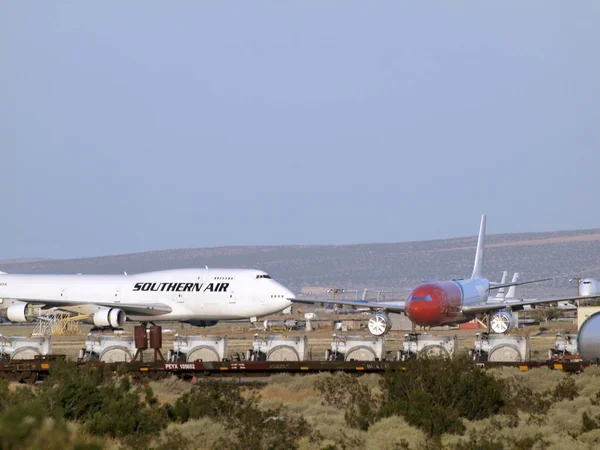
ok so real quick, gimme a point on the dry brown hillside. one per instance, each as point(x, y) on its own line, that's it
point(397, 266)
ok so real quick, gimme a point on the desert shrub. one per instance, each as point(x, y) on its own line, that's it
point(26, 426)
point(126, 414)
point(195, 434)
point(356, 398)
point(214, 399)
point(588, 423)
point(566, 389)
point(228, 403)
point(435, 395)
point(393, 433)
point(104, 403)
point(519, 397)
point(595, 400)
point(489, 439)
point(173, 440)
point(72, 393)
point(10, 397)
point(265, 429)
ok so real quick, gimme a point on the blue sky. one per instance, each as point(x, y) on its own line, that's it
point(148, 125)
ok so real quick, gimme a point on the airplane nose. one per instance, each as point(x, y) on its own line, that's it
point(424, 305)
point(288, 296)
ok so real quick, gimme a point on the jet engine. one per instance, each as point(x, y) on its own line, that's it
point(589, 287)
point(109, 317)
point(203, 323)
point(379, 324)
point(502, 321)
point(19, 313)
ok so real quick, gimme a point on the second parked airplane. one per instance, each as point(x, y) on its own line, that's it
point(450, 302)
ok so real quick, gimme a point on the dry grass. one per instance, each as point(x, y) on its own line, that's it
point(274, 395)
point(201, 434)
point(391, 432)
point(560, 428)
point(537, 379)
point(169, 389)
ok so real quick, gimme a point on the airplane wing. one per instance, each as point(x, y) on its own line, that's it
point(136, 309)
point(512, 303)
point(395, 307)
point(517, 283)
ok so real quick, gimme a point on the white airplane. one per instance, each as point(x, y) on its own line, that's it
point(588, 287)
point(197, 296)
point(451, 302)
point(562, 305)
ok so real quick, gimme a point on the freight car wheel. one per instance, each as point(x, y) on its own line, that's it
point(29, 377)
point(13, 376)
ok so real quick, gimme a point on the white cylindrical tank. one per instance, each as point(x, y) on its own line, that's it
point(501, 348)
point(356, 348)
point(588, 340)
point(110, 348)
point(24, 347)
point(281, 348)
point(200, 348)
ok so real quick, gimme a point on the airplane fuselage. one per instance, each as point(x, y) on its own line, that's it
point(441, 303)
point(190, 294)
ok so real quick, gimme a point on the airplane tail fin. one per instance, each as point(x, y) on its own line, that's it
point(478, 266)
point(513, 288)
point(501, 291)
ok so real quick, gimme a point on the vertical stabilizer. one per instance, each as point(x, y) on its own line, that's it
point(512, 289)
point(501, 291)
point(478, 267)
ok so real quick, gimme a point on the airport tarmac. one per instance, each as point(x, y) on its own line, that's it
point(241, 335)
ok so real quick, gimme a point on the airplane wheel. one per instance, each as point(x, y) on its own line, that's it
point(379, 324)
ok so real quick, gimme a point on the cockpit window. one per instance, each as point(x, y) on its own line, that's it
point(427, 298)
point(262, 276)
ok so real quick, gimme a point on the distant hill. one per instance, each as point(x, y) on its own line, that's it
point(396, 266)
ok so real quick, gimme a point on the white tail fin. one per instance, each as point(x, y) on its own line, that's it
point(478, 267)
point(512, 289)
point(500, 294)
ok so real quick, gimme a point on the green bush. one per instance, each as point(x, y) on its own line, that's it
point(214, 399)
point(519, 397)
point(25, 425)
point(566, 389)
point(588, 423)
point(105, 404)
point(435, 394)
point(346, 391)
point(253, 428)
point(73, 393)
point(10, 398)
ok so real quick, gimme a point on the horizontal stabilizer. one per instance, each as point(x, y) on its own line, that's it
point(519, 283)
